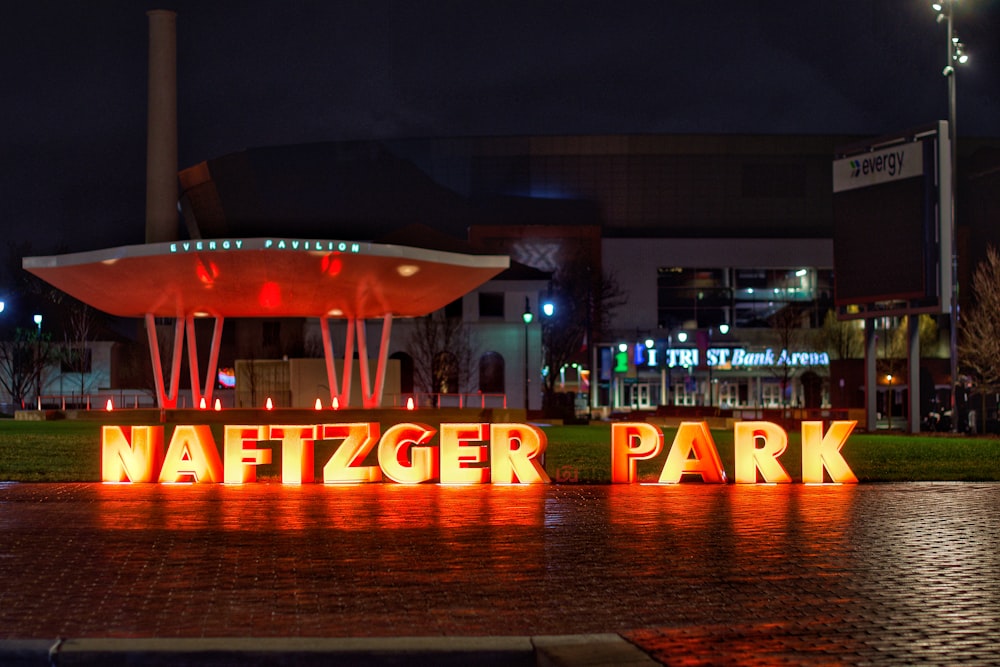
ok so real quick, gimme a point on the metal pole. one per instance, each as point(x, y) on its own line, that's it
point(526, 380)
point(953, 155)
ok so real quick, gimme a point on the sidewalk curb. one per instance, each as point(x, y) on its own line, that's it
point(544, 651)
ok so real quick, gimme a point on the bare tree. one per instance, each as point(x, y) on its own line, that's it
point(841, 339)
point(74, 354)
point(979, 344)
point(787, 325)
point(584, 305)
point(444, 354)
point(23, 361)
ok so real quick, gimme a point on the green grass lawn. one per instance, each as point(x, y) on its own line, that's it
point(70, 451)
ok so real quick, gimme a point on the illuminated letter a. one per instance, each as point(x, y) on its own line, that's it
point(192, 455)
point(693, 437)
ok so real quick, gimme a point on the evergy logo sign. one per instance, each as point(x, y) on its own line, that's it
point(859, 171)
point(891, 163)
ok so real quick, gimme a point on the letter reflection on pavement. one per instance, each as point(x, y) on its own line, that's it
point(404, 456)
point(750, 458)
point(631, 443)
point(819, 451)
point(133, 453)
point(241, 460)
point(514, 453)
point(693, 437)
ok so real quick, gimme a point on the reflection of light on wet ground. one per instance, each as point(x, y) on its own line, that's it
point(778, 569)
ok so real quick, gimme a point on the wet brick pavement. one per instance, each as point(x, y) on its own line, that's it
point(693, 574)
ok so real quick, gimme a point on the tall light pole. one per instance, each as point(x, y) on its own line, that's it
point(955, 56)
point(38, 361)
point(527, 317)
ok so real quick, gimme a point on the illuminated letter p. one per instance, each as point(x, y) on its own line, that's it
point(648, 442)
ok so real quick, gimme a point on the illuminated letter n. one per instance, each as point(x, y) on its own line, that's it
point(131, 453)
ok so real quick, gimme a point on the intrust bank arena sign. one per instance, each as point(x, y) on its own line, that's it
point(466, 453)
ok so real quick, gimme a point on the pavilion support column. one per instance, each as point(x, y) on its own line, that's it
point(345, 394)
point(192, 348)
point(383, 360)
point(164, 398)
point(363, 361)
point(372, 398)
point(331, 370)
point(213, 361)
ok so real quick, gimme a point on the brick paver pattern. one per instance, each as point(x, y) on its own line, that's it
point(696, 574)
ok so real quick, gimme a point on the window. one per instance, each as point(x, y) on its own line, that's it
point(697, 298)
point(491, 373)
point(761, 293)
point(491, 304)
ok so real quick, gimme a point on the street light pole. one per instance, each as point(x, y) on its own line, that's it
point(527, 317)
point(954, 56)
point(949, 72)
point(38, 361)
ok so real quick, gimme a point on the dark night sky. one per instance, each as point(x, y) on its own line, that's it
point(266, 72)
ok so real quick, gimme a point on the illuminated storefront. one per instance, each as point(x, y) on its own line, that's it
point(646, 374)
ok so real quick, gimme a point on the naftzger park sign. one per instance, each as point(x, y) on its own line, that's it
point(464, 454)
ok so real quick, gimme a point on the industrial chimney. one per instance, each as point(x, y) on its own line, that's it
point(161, 128)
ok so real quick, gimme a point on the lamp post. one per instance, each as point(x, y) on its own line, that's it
point(955, 56)
point(888, 401)
point(38, 361)
point(527, 317)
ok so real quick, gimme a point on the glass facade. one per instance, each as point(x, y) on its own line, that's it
point(740, 297)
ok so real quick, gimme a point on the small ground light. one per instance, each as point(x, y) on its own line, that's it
point(109, 406)
point(319, 404)
point(218, 405)
point(409, 403)
point(335, 403)
point(202, 404)
point(268, 404)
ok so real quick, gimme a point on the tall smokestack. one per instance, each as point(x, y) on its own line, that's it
point(161, 128)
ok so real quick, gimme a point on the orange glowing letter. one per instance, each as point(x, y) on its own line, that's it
point(296, 452)
point(461, 463)
point(693, 437)
point(344, 466)
point(514, 453)
point(819, 451)
point(241, 460)
point(750, 458)
point(403, 456)
point(192, 454)
point(133, 453)
point(648, 441)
